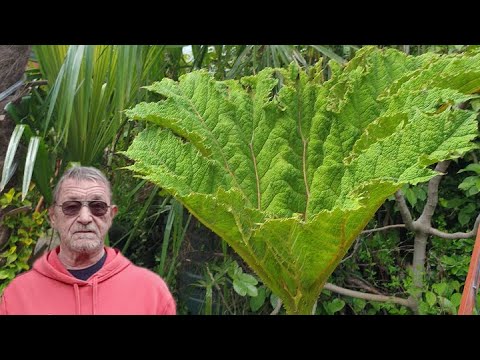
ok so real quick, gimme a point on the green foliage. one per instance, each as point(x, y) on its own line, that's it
point(288, 170)
point(459, 207)
point(331, 307)
point(415, 196)
point(471, 184)
point(24, 229)
point(211, 279)
point(441, 298)
point(380, 263)
point(227, 289)
point(243, 283)
point(256, 302)
point(77, 115)
point(89, 86)
point(26, 113)
point(450, 258)
point(154, 235)
point(383, 258)
point(235, 61)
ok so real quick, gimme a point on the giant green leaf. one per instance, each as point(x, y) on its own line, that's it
point(288, 170)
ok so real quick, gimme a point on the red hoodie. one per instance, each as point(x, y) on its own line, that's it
point(119, 287)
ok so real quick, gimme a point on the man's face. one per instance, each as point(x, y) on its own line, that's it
point(82, 232)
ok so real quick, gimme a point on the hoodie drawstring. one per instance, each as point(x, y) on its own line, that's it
point(77, 299)
point(94, 298)
point(95, 294)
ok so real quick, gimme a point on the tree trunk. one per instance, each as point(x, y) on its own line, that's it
point(418, 264)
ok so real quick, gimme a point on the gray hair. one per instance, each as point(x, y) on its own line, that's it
point(80, 173)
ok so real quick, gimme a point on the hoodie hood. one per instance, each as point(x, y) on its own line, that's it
point(50, 266)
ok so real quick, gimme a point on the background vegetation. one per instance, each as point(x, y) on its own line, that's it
point(70, 100)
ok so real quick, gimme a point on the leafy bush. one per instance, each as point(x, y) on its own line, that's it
point(23, 228)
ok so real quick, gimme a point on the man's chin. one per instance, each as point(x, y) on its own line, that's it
point(86, 245)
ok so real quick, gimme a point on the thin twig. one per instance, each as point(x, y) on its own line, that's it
point(39, 204)
point(384, 228)
point(367, 296)
point(37, 83)
point(363, 284)
point(21, 209)
point(358, 241)
point(354, 251)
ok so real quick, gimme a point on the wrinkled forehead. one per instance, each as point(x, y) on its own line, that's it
point(73, 189)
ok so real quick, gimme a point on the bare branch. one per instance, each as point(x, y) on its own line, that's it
point(402, 206)
point(355, 249)
point(457, 235)
point(363, 284)
point(21, 209)
point(37, 83)
point(432, 197)
point(366, 296)
point(384, 228)
point(358, 242)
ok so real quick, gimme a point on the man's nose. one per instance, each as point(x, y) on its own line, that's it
point(84, 216)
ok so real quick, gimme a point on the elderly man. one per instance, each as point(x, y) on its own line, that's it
point(82, 275)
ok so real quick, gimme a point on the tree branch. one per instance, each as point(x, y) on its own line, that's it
point(363, 284)
point(432, 197)
point(404, 212)
point(358, 242)
point(457, 235)
point(384, 228)
point(355, 249)
point(366, 296)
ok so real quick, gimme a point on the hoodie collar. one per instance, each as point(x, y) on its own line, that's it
point(51, 266)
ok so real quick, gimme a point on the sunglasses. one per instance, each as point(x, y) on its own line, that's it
point(97, 208)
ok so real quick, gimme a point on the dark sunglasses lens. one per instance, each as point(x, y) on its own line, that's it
point(98, 208)
point(71, 207)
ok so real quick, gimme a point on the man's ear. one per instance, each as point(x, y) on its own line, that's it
point(51, 215)
point(113, 210)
